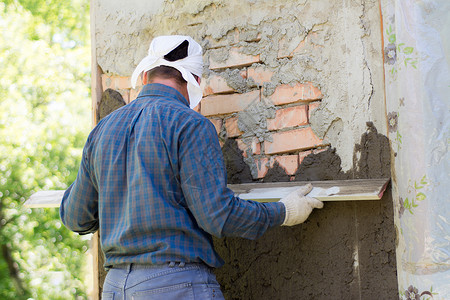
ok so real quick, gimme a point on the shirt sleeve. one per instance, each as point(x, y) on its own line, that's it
point(79, 206)
point(204, 184)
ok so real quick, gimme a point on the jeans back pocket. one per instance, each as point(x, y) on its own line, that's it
point(173, 292)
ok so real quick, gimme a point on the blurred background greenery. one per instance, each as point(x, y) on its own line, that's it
point(44, 122)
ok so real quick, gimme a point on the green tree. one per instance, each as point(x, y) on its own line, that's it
point(44, 121)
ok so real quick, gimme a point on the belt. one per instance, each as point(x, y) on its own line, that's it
point(138, 266)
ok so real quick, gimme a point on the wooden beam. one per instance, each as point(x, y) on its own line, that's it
point(44, 199)
point(330, 190)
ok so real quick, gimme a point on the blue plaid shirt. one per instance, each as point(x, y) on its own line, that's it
point(152, 179)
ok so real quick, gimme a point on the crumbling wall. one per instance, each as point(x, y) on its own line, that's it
point(295, 91)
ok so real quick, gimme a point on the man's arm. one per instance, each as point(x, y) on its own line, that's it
point(79, 206)
point(204, 183)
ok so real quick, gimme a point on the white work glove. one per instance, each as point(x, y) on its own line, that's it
point(298, 206)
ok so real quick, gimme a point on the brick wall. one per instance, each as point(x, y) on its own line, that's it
point(288, 137)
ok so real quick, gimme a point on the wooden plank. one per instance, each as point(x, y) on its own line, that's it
point(330, 190)
point(45, 199)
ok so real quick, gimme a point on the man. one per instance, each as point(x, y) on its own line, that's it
point(153, 181)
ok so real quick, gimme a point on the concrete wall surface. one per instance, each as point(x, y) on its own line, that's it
point(295, 90)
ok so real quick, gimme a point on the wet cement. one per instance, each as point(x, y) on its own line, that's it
point(344, 251)
point(237, 170)
point(110, 101)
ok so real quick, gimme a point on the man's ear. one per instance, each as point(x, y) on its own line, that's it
point(144, 78)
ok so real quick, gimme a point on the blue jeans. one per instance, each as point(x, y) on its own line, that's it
point(165, 282)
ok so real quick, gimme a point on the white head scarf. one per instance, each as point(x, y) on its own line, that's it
point(192, 64)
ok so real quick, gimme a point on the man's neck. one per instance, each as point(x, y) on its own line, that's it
point(173, 84)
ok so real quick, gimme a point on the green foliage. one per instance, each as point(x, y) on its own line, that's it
point(62, 20)
point(44, 121)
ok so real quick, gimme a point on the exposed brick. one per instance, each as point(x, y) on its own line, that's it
point(231, 125)
point(286, 93)
point(288, 117)
point(312, 107)
point(259, 75)
point(261, 166)
point(139, 81)
point(121, 83)
point(292, 140)
point(288, 162)
point(198, 107)
point(255, 147)
point(302, 155)
point(243, 73)
point(217, 124)
point(215, 84)
point(106, 82)
point(225, 104)
point(235, 59)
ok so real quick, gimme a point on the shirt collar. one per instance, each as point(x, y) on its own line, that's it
point(161, 90)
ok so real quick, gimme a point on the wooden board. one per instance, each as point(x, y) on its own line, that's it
point(45, 199)
point(330, 190)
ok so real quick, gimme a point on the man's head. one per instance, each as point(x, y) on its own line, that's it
point(175, 59)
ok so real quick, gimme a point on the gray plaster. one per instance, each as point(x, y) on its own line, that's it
point(342, 53)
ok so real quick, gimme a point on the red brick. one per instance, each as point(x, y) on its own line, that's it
point(235, 59)
point(231, 125)
point(198, 107)
point(288, 117)
point(217, 124)
point(312, 106)
point(215, 84)
point(122, 83)
point(106, 82)
point(226, 104)
point(262, 167)
point(288, 162)
point(259, 75)
point(302, 155)
point(255, 146)
point(286, 93)
point(292, 140)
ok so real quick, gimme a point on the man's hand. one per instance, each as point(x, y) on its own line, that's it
point(298, 206)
